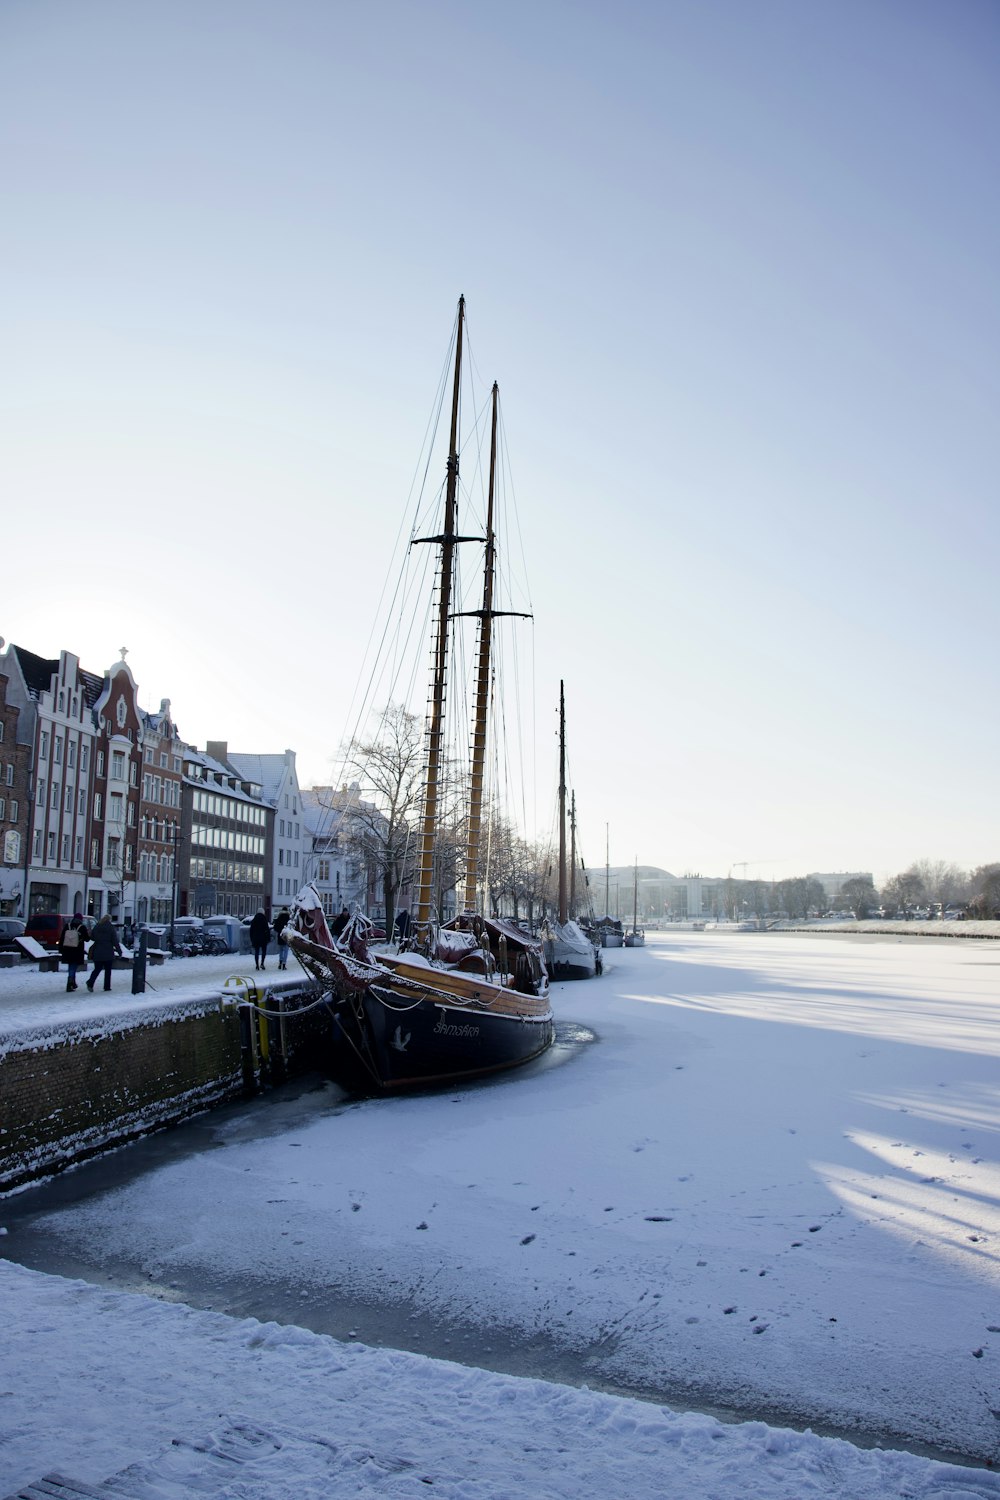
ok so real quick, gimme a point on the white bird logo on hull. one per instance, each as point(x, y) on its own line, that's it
point(399, 1041)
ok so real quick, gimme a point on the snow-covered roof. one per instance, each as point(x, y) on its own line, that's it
point(268, 771)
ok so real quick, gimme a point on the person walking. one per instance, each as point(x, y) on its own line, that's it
point(102, 952)
point(281, 921)
point(260, 935)
point(71, 948)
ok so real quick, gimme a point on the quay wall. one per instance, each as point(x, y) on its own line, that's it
point(74, 1090)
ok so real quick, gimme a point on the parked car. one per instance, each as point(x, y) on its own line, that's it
point(11, 928)
point(47, 928)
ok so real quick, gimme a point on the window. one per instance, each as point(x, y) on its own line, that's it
point(3, 808)
point(52, 846)
point(131, 815)
point(62, 703)
point(84, 757)
point(43, 745)
point(100, 762)
point(94, 852)
point(1, 731)
point(97, 805)
point(13, 812)
point(79, 850)
point(71, 754)
point(56, 793)
point(75, 711)
point(147, 755)
point(163, 760)
point(323, 869)
point(281, 827)
point(296, 859)
point(128, 857)
point(115, 807)
point(114, 852)
point(36, 844)
point(65, 848)
point(177, 762)
point(10, 773)
point(40, 799)
point(118, 765)
point(133, 773)
point(57, 747)
point(69, 799)
point(281, 856)
point(81, 802)
point(286, 799)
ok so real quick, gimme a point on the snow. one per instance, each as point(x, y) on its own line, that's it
point(768, 1186)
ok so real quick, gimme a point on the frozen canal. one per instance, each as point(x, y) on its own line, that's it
point(760, 1175)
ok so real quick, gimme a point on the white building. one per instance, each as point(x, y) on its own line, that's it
point(276, 776)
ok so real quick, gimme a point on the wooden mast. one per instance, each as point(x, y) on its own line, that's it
point(482, 687)
point(572, 855)
point(562, 806)
point(435, 721)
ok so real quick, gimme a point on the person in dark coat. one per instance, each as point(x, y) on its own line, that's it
point(339, 923)
point(260, 936)
point(102, 952)
point(281, 921)
point(71, 948)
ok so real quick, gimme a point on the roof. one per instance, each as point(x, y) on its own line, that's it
point(268, 771)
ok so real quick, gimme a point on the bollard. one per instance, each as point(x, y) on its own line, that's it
point(139, 965)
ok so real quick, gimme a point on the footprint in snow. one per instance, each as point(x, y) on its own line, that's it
point(527, 1239)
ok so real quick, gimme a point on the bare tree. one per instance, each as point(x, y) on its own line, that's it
point(860, 895)
point(381, 831)
point(985, 883)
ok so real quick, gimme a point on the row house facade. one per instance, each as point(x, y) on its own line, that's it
point(104, 808)
point(15, 769)
point(55, 700)
point(116, 794)
point(159, 833)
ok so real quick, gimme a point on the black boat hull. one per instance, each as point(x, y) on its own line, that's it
point(381, 1046)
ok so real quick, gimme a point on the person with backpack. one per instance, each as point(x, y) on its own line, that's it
point(260, 936)
point(102, 952)
point(281, 921)
point(71, 948)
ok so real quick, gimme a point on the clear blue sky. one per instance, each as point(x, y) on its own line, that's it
point(735, 267)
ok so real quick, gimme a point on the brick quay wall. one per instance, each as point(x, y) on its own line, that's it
point(81, 1087)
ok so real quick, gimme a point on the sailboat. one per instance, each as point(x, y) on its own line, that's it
point(569, 953)
point(609, 928)
point(636, 938)
point(468, 997)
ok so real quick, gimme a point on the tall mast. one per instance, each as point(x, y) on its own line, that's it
point(482, 687)
point(607, 873)
point(562, 805)
point(435, 722)
point(572, 855)
point(635, 897)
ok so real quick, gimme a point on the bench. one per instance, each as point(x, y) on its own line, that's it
point(48, 962)
point(155, 955)
point(8, 960)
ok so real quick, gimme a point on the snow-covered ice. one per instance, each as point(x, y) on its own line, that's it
point(770, 1184)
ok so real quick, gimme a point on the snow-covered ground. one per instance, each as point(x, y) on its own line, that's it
point(771, 1184)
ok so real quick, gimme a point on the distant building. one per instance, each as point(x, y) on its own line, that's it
point(834, 884)
point(290, 842)
point(114, 831)
point(225, 831)
point(333, 865)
